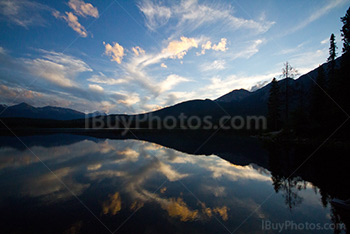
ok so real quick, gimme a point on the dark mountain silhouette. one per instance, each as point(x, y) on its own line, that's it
point(24, 110)
point(238, 102)
point(235, 95)
point(95, 114)
point(243, 102)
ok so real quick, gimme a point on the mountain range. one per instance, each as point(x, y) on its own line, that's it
point(24, 110)
point(237, 102)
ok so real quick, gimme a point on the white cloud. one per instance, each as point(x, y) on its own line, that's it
point(206, 46)
point(219, 86)
point(138, 50)
point(191, 15)
point(95, 87)
point(308, 60)
point(178, 49)
point(248, 51)
point(80, 8)
point(291, 50)
point(170, 173)
point(221, 46)
point(171, 81)
point(73, 22)
point(83, 9)
point(137, 67)
point(57, 68)
point(163, 65)
point(215, 65)
point(24, 13)
point(116, 51)
point(234, 172)
point(156, 15)
point(325, 41)
point(103, 79)
point(130, 99)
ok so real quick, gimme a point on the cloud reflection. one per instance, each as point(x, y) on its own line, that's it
point(135, 169)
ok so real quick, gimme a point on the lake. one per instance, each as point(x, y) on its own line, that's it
point(64, 183)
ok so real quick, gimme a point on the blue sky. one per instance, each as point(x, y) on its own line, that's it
point(138, 56)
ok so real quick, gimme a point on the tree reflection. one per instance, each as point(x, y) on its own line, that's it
point(291, 186)
point(289, 178)
point(281, 166)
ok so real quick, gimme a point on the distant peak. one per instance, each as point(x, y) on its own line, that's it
point(23, 104)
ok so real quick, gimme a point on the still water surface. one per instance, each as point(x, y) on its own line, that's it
point(80, 184)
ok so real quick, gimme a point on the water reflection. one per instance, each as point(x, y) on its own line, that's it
point(163, 189)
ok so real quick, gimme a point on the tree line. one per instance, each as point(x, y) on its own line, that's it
point(329, 103)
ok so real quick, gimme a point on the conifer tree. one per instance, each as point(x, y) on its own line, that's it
point(344, 71)
point(332, 79)
point(332, 49)
point(288, 72)
point(345, 31)
point(274, 106)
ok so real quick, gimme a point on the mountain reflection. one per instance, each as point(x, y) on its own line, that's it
point(116, 178)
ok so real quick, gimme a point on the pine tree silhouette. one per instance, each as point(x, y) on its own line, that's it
point(274, 106)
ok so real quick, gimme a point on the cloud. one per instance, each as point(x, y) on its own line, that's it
point(57, 82)
point(206, 46)
point(49, 185)
point(116, 51)
point(325, 41)
point(191, 15)
point(259, 85)
point(14, 95)
point(96, 87)
point(57, 68)
point(215, 65)
point(155, 15)
point(308, 60)
point(170, 173)
point(221, 85)
point(137, 67)
point(73, 22)
point(83, 9)
point(316, 15)
point(177, 208)
point(163, 65)
point(138, 50)
point(24, 13)
point(248, 51)
point(130, 99)
point(221, 46)
point(2, 50)
point(7, 94)
point(103, 79)
point(129, 154)
point(171, 81)
point(291, 50)
point(178, 49)
point(80, 8)
point(113, 205)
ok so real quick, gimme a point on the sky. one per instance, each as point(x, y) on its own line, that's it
point(137, 56)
